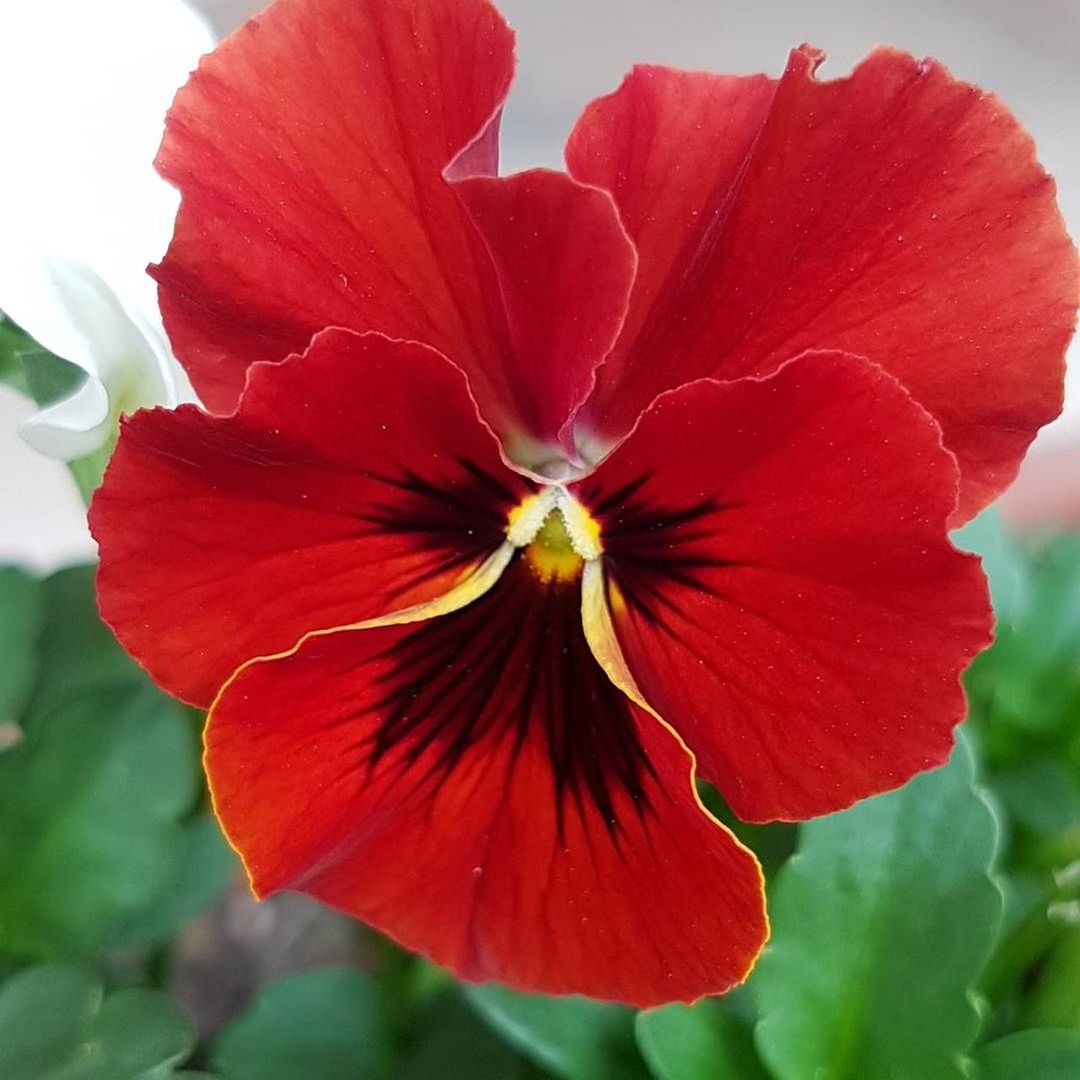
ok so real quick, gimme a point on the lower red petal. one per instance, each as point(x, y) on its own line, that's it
point(477, 788)
point(782, 583)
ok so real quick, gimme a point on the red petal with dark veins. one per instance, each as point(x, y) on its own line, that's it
point(782, 584)
point(896, 214)
point(477, 788)
point(353, 481)
point(309, 149)
point(565, 268)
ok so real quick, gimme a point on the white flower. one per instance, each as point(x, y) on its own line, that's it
point(84, 88)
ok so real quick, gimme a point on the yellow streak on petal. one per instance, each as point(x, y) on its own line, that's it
point(583, 528)
point(528, 517)
point(600, 634)
point(471, 588)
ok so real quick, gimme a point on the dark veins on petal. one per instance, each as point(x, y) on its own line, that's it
point(469, 507)
point(647, 545)
point(513, 665)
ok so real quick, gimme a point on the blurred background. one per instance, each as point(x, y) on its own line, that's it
point(571, 51)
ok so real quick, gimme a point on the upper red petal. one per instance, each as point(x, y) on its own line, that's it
point(353, 481)
point(337, 164)
point(896, 214)
point(309, 149)
point(565, 267)
point(477, 788)
point(782, 583)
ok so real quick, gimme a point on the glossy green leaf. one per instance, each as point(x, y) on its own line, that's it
point(1041, 1054)
point(882, 924)
point(330, 1023)
point(90, 803)
point(204, 867)
point(56, 1024)
point(698, 1042)
point(573, 1037)
point(22, 615)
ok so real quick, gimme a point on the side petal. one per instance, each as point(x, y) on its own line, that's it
point(896, 214)
point(476, 787)
point(565, 267)
point(782, 585)
point(353, 481)
point(309, 148)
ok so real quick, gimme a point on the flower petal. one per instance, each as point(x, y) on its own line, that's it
point(353, 481)
point(565, 267)
point(896, 214)
point(309, 149)
point(782, 585)
point(476, 787)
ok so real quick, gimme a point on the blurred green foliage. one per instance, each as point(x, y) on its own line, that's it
point(930, 932)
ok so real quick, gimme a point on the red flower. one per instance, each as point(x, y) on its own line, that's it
point(757, 340)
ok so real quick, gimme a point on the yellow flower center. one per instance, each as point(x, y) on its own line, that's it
point(558, 534)
point(551, 555)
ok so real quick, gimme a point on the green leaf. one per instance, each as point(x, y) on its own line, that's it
point(1040, 794)
point(56, 1024)
point(78, 654)
point(573, 1037)
point(12, 341)
point(139, 1034)
point(772, 843)
point(204, 867)
point(698, 1042)
point(330, 1023)
point(44, 1015)
point(1025, 689)
point(46, 378)
point(1054, 1000)
point(881, 925)
point(22, 613)
point(454, 1045)
point(89, 807)
point(1041, 1054)
point(1003, 562)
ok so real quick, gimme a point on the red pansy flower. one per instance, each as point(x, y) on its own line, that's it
point(557, 487)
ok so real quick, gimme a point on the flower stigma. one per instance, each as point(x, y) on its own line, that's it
point(558, 534)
